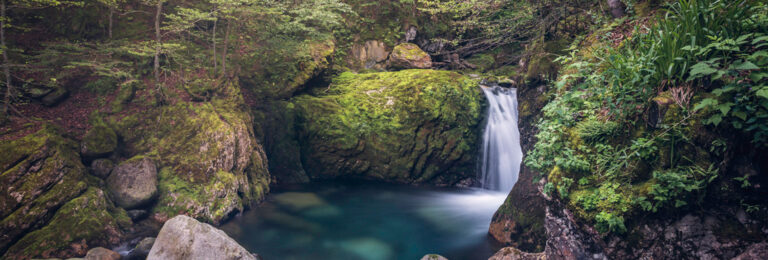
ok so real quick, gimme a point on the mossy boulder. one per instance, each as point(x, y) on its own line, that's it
point(211, 165)
point(54, 97)
point(409, 56)
point(133, 182)
point(40, 172)
point(99, 141)
point(410, 126)
point(87, 221)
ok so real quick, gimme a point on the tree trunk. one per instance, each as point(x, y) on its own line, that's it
point(213, 40)
point(617, 8)
point(224, 52)
point(158, 12)
point(6, 65)
point(111, 16)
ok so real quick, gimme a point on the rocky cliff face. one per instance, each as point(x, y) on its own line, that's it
point(412, 126)
point(209, 163)
point(51, 207)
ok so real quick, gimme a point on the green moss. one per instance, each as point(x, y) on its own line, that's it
point(402, 126)
point(409, 51)
point(211, 165)
point(98, 141)
point(482, 61)
point(85, 222)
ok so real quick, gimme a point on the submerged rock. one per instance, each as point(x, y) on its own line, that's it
point(368, 248)
point(409, 56)
point(411, 126)
point(101, 253)
point(133, 183)
point(183, 237)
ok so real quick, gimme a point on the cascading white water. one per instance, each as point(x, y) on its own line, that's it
point(501, 154)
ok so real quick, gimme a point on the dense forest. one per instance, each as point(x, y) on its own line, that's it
point(138, 129)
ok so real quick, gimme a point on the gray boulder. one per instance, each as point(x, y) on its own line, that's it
point(183, 237)
point(133, 183)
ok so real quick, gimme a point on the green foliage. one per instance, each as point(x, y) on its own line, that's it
point(593, 130)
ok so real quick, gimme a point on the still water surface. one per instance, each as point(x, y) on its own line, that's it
point(370, 221)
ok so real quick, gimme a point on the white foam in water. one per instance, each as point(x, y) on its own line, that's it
point(501, 154)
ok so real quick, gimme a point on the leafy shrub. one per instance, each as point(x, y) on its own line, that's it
point(595, 131)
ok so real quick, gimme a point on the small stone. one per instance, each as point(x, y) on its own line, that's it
point(141, 251)
point(53, 98)
point(409, 56)
point(101, 253)
point(137, 214)
point(102, 168)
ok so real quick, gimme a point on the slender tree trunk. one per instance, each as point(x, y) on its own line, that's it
point(224, 52)
point(6, 65)
point(111, 16)
point(213, 40)
point(158, 12)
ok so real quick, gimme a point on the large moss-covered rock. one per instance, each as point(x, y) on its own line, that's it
point(99, 141)
point(407, 126)
point(40, 172)
point(86, 222)
point(134, 182)
point(211, 166)
point(409, 56)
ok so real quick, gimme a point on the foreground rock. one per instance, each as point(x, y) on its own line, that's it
point(183, 237)
point(141, 251)
point(407, 126)
point(409, 56)
point(134, 182)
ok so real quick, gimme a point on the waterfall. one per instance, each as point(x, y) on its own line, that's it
point(501, 154)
